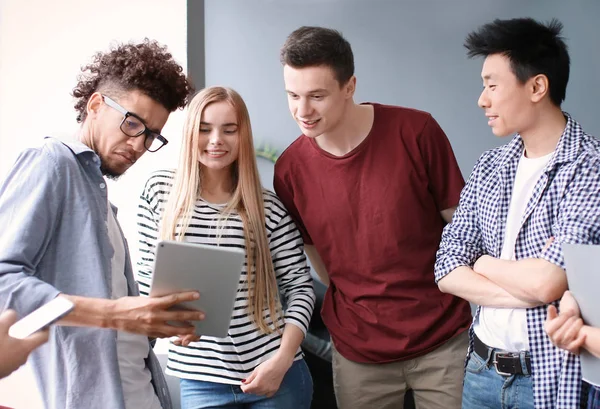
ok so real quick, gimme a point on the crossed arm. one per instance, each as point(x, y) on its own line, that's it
point(465, 283)
point(495, 282)
point(464, 269)
point(524, 283)
point(490, 282)
point(534, 281)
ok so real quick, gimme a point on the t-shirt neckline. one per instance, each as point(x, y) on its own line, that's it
point(359, 147)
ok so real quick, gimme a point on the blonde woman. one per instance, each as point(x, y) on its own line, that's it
point(215, 197)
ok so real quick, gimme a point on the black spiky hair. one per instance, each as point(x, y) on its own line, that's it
point(532, 47)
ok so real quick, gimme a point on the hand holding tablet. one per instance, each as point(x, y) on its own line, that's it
point(212, 271)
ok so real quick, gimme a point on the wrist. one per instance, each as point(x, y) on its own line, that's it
point(108, 313)
point(585, 330)
point(88, 312)
point(286, 358)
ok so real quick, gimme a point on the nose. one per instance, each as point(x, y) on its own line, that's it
point(215, 137)
point(304, 108)
point(483, 101)
point(137, 143)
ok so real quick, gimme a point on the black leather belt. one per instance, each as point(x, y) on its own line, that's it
point(506, 363)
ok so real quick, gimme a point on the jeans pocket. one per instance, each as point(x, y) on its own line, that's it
point(476, 363)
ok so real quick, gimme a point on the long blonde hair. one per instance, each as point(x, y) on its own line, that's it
point(247, 201)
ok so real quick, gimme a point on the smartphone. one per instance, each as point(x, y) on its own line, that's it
point(41, 318)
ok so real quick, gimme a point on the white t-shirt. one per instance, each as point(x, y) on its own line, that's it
point(506, 328)
point(132, 349)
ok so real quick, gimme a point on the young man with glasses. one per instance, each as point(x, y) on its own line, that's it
point(60, 238)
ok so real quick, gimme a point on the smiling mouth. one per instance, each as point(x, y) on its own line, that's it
point(309, 124)
point(216, 154)
point(491, 118)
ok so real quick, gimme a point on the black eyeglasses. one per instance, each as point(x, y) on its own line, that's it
point(132, 125)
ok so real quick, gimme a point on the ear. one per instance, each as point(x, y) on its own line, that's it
point(540, 86)
point(350, 87)
point(94, 104)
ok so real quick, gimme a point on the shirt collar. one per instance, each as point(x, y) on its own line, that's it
point(78, 148)
point(566, 151)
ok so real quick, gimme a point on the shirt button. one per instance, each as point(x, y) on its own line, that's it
point(102, 185)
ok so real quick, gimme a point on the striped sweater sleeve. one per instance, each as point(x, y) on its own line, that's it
point(292, 272)
point(148, 217)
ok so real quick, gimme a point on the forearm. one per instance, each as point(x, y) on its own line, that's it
point(290, 342)
point(532, 280)
point(88, 312)
point(467, 284)
point(592, 340)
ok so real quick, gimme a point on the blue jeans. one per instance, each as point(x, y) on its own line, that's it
point(594, 398)
point(295, 392)
point(485, 388)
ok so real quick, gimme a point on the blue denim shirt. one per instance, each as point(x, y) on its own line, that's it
point(53, 239)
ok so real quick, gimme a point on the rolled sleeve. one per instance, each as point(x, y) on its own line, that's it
point(578, 220)
point(30, 203)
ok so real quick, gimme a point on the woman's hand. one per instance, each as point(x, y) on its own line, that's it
point(267, 377)
point(184, 340)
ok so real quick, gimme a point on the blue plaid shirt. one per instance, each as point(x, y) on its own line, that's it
point(565, 205)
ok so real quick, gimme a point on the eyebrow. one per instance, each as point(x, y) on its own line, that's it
point(487, 77)
point(227, 124)
point(314, 91)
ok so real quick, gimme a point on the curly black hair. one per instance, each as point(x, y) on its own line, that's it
point(147, 67)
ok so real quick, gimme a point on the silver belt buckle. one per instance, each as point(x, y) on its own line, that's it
point(503, 355)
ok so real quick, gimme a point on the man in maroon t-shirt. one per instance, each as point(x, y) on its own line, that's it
point(371, 187)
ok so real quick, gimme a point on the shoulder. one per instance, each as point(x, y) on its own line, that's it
point(409, 124)
point(401, 114)
point(297, 152)
point(491, 160)
point(50, 156)
point(274, 208)
point(159, 182)
point(590, 150)
point(587, 166)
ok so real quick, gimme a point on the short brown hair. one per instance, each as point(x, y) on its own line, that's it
point(147, 67)
point(314, 46)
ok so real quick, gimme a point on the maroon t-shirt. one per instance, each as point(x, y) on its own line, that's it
point(373, 215)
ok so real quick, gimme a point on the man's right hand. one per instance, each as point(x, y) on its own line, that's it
point(14, 352)
point(151, 316)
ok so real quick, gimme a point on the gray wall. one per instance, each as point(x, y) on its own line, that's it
point(407, 53)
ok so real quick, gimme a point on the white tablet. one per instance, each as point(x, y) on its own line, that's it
point(212, 271)
point(581, 262)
